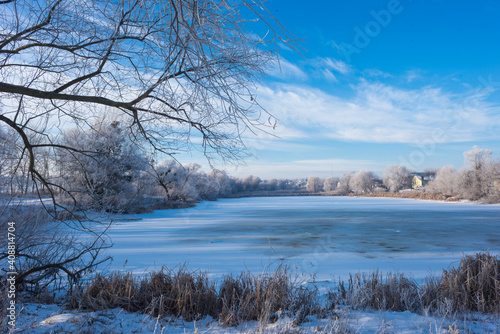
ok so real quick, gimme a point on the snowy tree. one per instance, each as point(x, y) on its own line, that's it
point(447, 182)
point(285, 184)
point(14, 170)
point(363, 182)
point(164, 175)
point(189, 182)
point(313, 184)
point(330, 184)
point(224, 181)
point(177, 181)
point(236, 184)
point(251, 183)
point(344, 185)
point(207, 186)
point(396, 177)
point(495, 181)
point(272, 184)
point(477, 177)
point(104, 168)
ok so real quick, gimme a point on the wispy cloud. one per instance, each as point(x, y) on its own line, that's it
point(376, 73)
point(340, 164)
point(382, 113)
point(336, 65)
point(329, 75)
point(286, 70)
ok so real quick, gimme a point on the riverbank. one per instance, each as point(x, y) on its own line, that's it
point(413, 195)
point(416, 194)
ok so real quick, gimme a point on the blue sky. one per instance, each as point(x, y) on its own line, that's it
point(381, 82)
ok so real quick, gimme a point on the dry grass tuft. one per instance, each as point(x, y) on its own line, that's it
point(265, 297)
point(103, 292)
point(191, 295)
point(473, 286)
point(181, 294)
point(395, 293)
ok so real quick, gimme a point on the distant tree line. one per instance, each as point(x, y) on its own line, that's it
point(478, 180)
point(110, 171)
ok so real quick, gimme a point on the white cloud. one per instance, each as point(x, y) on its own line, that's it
point(340, 164)
point(324, 68)
point(336, 65)
point(304, 168)
point(329, 75)
point(286, 70)
point(381, 113)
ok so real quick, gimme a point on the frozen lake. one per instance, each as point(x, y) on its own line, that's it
point(328, 236)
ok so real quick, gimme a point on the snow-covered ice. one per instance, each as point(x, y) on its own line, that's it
point(327, 236)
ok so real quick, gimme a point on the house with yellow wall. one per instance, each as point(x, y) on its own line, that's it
point(419, 180)
point(496, 185)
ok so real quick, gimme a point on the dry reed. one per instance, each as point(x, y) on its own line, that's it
point(473, 286)
point(191, 295)
point(395, 292)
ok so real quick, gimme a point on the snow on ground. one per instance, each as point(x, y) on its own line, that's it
point(39, 318)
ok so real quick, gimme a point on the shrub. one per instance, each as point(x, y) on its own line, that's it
point(48, 252)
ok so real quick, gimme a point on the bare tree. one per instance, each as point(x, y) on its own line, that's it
point(14, 169)
point(174, 70)
point(313, 184)
point(396, 177)
point(49, 252)
point(5, 166)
